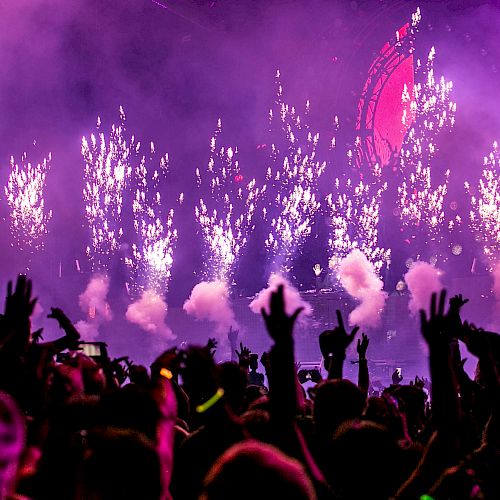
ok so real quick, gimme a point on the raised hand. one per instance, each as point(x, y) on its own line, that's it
point(243, 356)
point(168, 359)
point(477, 340)
point(435, 329)
point(279, 325)
point(212, 346)
point(65, 323)
point(232, 336)
point(37, 335)
point(418, 382)
point(317, 269)
point(19, 304)
point(335, 342)
point(453, 317)
point(457, 302)
point(362, 346)
point(57, 314)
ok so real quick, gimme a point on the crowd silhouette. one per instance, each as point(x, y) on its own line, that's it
point(80, 426)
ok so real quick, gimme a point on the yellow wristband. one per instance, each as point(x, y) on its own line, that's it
point(209, 403)
point(165, 372)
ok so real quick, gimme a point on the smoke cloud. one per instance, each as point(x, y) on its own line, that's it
point(209, 300)
point(292, 297)
point(423, 280)
point(359, 279)
point(89, 330)
point(149, 313)
point(93, 302)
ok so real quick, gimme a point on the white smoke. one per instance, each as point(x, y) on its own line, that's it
point(93, 302)
point(149, 312)
point(291, 295)
point(359, 279)
point(209, 300)
point(88, 330)
point(423, 280)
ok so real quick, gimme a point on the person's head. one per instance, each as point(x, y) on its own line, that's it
point(384, 411)
point(364, 461)
point(12, 441)
point(132, 407)
point(253, 393)
point(257, 424)
point(254, 362)
point(120, 464)
point(336, 401)
point(250, 470)
point(411, 402)
point(234, 382)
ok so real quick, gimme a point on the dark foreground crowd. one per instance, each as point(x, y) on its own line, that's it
point(74, 426)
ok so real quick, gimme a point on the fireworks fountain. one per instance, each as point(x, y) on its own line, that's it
point(354, 216)
point(293, 181)
point(226, 219)
point(369, 235)
point(24, 192)
point(484, 216)
point(107, 171)
point(420, 205)
point(152, 256)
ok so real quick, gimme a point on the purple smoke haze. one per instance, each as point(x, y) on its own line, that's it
point(93, 302)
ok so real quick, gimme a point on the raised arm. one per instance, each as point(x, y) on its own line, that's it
point(333, 345)
point(442, 449)
point(283, 385)
point(71, 334)
point(444, 397)
point(232, 336)
point(363, 375)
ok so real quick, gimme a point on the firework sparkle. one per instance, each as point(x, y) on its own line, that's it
point(24, 192)
point(293, 180)
point(107, 172)
point(226, 218)
point(152, 256)
point(484, 216)
point(432, 113)
point(354, 218)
